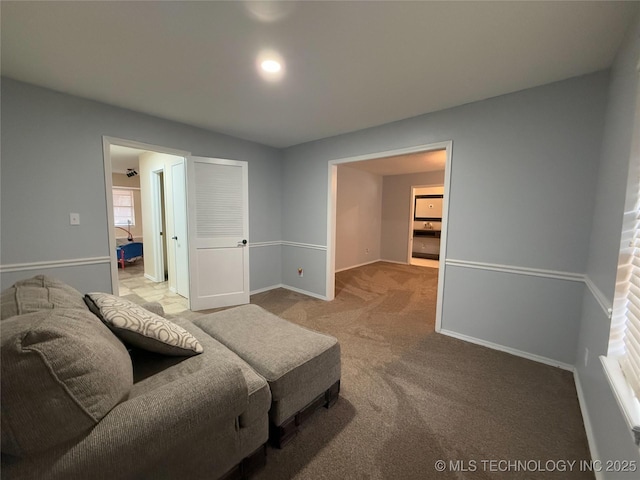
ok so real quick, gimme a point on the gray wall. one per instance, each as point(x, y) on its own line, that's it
point(396, 210)
point(611, 436)
point(358, 217)
point(523, 174)
point(52, 165)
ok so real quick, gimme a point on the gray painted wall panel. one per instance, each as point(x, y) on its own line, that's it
point(611, 433)
point(312, 261)
point(52, 165)
point(522, 179)
point(85, 278)
point(358, 217)
point(266, 266)
point(531, 314)
point(613, 439)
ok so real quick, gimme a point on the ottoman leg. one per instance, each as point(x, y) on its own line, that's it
point(283, 434)
point(331, 395)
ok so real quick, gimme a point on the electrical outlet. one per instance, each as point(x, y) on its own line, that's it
point(300, 272)
point(366, 250)
point(586, 356)
point(74, 219)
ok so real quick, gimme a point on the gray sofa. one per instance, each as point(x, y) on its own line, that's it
point(119, 415)
point(78, 403)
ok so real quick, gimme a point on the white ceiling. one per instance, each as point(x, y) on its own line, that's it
point(124, 158)
point(348, 65)
point(404, 164)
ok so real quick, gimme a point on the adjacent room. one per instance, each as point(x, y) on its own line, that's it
point(320, 240)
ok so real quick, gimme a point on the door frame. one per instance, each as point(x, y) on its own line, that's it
point(332, 194)
point(107, 141)
point(156, 214)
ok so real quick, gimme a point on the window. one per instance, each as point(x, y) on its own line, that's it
point(622, 364)
point(123, 207)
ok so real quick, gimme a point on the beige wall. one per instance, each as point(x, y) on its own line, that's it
point(151, 162)
point(358, 217)
point(121, 180)
point(396, 211)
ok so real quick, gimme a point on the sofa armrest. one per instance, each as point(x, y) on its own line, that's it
point(186, 428)
point(154, 307)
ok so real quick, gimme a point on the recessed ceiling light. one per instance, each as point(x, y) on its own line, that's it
point(271, 66)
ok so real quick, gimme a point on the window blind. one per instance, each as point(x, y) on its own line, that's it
point(123, 208)
point(630, 359)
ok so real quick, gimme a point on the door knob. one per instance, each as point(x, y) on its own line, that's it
point(174, 238)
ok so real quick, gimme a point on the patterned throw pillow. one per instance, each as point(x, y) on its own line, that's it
point(142, 328)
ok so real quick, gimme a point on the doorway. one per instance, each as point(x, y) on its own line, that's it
point(446, 147)
point(425, 225)
point(157, 270)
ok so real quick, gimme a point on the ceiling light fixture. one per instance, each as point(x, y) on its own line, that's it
point(271, 66)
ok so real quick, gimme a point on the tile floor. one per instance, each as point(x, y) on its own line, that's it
point(424, 262)
point(131, 280)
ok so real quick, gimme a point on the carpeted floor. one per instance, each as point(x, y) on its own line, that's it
point(411, 397)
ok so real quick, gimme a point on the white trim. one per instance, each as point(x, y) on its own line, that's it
point(275, 243)
point(118, 187)
point(512, 351)
point(586, 420)
point(534, 272)
point(332, 192)
point(394, 261)
point(107, 141)
point(284, 243)
point(303, 292)
point(359, 265)
point(288, 287)
point(600, 297)
point(72, 262)
point(266, 289)
point(623, 393)
point(304, 245)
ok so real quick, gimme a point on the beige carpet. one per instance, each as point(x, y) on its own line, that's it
point(411, 397)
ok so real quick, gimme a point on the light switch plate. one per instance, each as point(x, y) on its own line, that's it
point(74, 218)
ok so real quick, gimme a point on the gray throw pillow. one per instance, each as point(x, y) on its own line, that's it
point(142, 328)
point(62, 371)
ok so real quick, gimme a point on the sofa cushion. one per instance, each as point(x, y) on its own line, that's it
point(62, 371)
point(151, 370)
point(142, 328)
point(39, 293)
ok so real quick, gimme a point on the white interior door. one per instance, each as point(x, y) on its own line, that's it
point(180, 235)
point(218, 206)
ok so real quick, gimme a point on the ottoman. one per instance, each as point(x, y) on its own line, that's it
point(301, 366)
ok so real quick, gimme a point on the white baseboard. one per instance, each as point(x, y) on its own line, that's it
point(591, 439)
point(266, 289)
point(153, 279)
point(512, 351)
point(359, 265)
point(392, 261)
point(288, 287)
point(304, 292)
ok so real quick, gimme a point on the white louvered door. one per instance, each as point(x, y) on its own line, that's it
point(218, 206)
